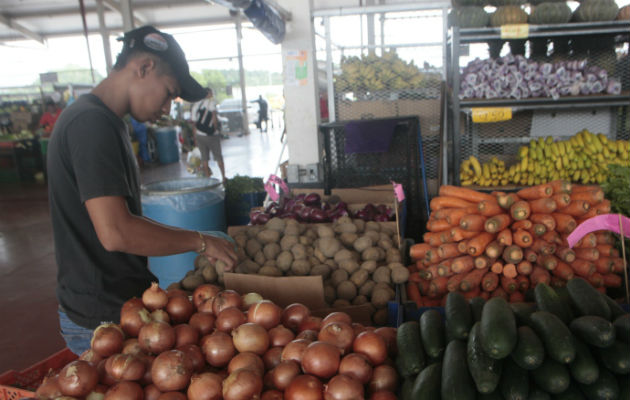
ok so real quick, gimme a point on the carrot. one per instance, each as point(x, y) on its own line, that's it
point(508, 284)
point(475, 292)
point(543, 206)
point(458, 234)
point(596, 279)
point(604, 237)
point(453, 282)
point(443, 212)
point(456, 215)
point(434, 239)
point(497, 223)
point(436, 225)
point(536, 192)
point(543, 248)
point(565, 254)
point(505, 237)
point(494, 249)
point(413, 293)
point(561, 199)
point(545, 219)
point(524, 267)
point(614, 253)
point(463, 193)
point(513, 254)
point(462, 246)
point(561, 186)
point(583, 268)
point(604, 265)
point(588, 254)
point(509, 270)
point(497, 267)
point(563, 270)
point(539, 275)
point(523, 238)
point(516, 297)
point(538, 230)
point(603, 207)
point(553, 237)
point(448, 250)
point(576, 208)
point(490, 281)
point(477, 245)
point(564, 222)
point(530, 255)
point(584, 188)
point(462, 264)
point(472, 279)
point(605, 249)
point(489, 208)
point(588, 241)
point(592, 212)
point(418, 250)
point(432, 256)
point(438, 286)
point(500, 292)
point(592, 197)
point(444, 268)
point(523, 283)
point(522, 224)
point(612, 280)
point(414, 277)
point(423, 285)
point(440, 202)
point(481, 262)
point(520, 210)
point(472, 222)
point(505, 201)
point(548, 261)
point(429, 273)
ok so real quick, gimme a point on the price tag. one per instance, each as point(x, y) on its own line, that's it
point(515, 31)
point(398, 191)
point(482, 115)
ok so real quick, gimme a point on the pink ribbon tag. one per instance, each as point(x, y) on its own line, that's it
point(271, 190)
point(608, 222)
point(398, 191)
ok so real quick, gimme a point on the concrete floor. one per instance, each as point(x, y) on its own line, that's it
point(28, 319)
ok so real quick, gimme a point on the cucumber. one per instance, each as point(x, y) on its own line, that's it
point(615, 309)
point(476, 306)
point(587, 300)
point(529, 295)
point(485, 370)
point(529, 352)
point(427, 384)
point(432, 333)
point(538, 394)
point(458, 316)
point(594, 330)
point(584, 368)
point(616, 357)
point(410, 359)
point(548, 300)
point(514, 381)
point(522, 312)
point(552, 376)
point(604, 388)
point(624, 386)
point(496, 395)
point(555, 335)
point(405, 390)
point(498, 328)
point(456, 381)
point(622, 328)
point(572, 393)
point(563, 295)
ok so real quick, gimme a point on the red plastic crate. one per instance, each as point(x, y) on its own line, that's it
point(16, 385)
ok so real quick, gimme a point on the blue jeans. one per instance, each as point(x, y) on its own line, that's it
point(77, 337)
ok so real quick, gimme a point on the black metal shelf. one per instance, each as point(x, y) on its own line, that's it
point(547, 102)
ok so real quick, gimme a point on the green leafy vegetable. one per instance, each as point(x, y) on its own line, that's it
point(617, 189)
point(239, 185)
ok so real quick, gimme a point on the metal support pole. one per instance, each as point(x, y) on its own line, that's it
point(332, 114)
point(456, 111)
point(370, 29)
point(241, 73)
point(100, 9)
point(445, 94)
point(127, 15)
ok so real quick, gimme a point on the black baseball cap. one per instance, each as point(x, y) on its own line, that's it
point(151, 40)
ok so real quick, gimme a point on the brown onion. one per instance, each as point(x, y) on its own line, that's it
point(160, 315)
point(176, 292)
point(337, 333)
point(107, 340)
point(172, 396)
point(251, 298)
point(383, 395)
point(156, 337)
point(337, 316)
point(224, 299)
point(185, 334)
point(204, 292)
point(206, 306)
point(229, 319)
point(343, 387)
point(148, 361)
point(218, 348)
point(284, 373)
point(125, 390)
point(151, 392)
point(133, 318)
point(247, 360)
point(268, 380)
point(206, 386)
point(295, 350)
point(372, 345)
point(103, 377)
point(242, 384)
point(90, 356)
point(308, 334)
point(305, 387)
point(203, 322)
point(357, 366)
point(171, 371)
point(132, 346)
point(49, 389)
point(180, 309)
point(134, 302)
point(264, 313)
point(272, 395)
point(293, 315)
point(193, 352)
point(311, 323)
point(77, 378)
point(389, 334)
point(280, 336)
point(125, 367)
point(98, 393)
point(384, 377)
point(251, 337)
point(271, 358)
point(358, 328)
point(154, 297)
point(321, 359)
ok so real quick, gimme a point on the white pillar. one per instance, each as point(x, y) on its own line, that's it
point(127, 15)
point(241, 73)
point(100, 9)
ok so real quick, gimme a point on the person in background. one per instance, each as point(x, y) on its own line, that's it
point(262, 113)
point(140, 129)
point(207, 133)
point(49, 117)
point(102, 241)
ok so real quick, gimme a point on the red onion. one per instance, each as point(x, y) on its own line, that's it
point(384, 377)
point(151, 392)
point(389, 335)
point(90, 356)
point(310, 323)
point(160, 315)
point(242, 384)
point(321, 359)
point(133, 317)
point(132, 346)
point(171, 371)
point(206, 386)
point(77, 378)
point(154, 297)
point(308, 334)
point(180, 309)
point(343, 387)
point(337, 316)
point(107, 340)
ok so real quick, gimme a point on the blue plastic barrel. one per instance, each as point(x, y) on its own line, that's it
point(192, 203)
point(166, 139)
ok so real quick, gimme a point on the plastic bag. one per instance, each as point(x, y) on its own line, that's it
point(193, 161)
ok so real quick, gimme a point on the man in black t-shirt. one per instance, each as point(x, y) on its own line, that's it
point(102, 241)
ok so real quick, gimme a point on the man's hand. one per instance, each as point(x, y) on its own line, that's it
point(220, 249)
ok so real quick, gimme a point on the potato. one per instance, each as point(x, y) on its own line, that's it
point(284, 260)
point(309, 251)
point(301, 267)
point(260, 258)
point(400, 274)
point(393, 256)
point(268, 236)
point(317, 253)
point(292, 230)
point(380, 297)
point(385, 244)
point(343, 254)
point(329, 246)
point(362, 243)
point(394, 264)
point(349, 265)
point(389, 230)
point(306, 241)
point(252, 247)
point(374, 235)
point(241, 255)
point(384, 236)
point(348, 238)
point(369, 266)
point(382, 274)
point(325, 231)
point(359, 300)
point(343, 220)
point(276, 224)
point(385, 286)
point(288, 241)
point(241, 239)
point(209, 273)
point(359, 277)
point(174, 285)
point(201, 262)
point(191, 282)
point(340, 303)
point(249, 267)
point(320, 269)
point(271, 251)
point(270, 263)
point(240, 269)
point(190, 272)
point(252, 231)
point(380, 317)
point(313, 260)
point(360, 224)
point(371, 253)
point(372, 226)
point(338, 276)
point(269, 271)
point(346, 228)
point(219, 266)
point(331, 263)
point(330, 294)
point(367, 288)
point(299, 251)
point(311, 234)
point(346, 290)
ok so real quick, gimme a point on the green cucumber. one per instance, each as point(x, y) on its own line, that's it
point(456, 381)
point(427, 384)
point(555, 335)
point(410, 359)
point(485, 370)
point(604, 388)
point(552, 376)
point(548, 300)
point(584, 368)
point(529, 352)
point(514, 381)
point(572, 393)
point(586, 299)
point(616, 357)
point(432, 333)
point(622, 328)
point(522, 311)
point(624, 386)
point(405, 390)
point(496, 395)
point(476, 306)
point(538, 394)
point(458, 316)
point(593, 330)
point(498, 328)
point(615, 309)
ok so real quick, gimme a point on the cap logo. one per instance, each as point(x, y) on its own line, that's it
point(156, 42)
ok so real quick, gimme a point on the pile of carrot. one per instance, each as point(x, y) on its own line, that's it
point(502, 244)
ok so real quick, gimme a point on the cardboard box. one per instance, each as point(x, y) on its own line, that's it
point(427, 110)
point(351, 110)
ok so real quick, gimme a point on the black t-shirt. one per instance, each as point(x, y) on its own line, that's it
point(89, 156)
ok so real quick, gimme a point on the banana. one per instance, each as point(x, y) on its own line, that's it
point(475, 164)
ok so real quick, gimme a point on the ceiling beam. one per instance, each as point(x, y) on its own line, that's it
point(20, 28)
point(114, 6)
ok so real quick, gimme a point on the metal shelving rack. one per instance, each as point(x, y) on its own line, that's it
point(458, 108)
